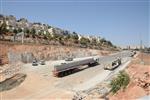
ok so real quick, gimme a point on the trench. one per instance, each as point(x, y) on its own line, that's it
point(12, 82)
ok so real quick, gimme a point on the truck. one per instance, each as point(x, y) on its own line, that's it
point(69, 67)
point(132, 53)
point(114, 64)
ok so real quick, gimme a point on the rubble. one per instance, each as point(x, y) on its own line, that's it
point(9, 70)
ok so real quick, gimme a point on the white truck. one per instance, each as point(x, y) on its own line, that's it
point(114, 64)
point(69, 67)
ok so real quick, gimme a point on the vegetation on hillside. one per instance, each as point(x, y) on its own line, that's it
point(121, 81)
point(3, 29)
point(41, 31)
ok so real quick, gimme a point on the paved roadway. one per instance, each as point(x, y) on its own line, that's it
point(112, 57)
point(40, 83)
point(102, 59)
point(105, 74)
point(100, 73)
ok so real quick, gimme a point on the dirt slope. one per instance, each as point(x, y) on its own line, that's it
point(140, 80)
point(48, 52)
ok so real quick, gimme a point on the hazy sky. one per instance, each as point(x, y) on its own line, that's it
point(124, 22)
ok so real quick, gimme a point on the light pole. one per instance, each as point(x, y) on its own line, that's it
point(22, 40)
point(141, 47)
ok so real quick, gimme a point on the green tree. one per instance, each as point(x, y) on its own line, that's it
point(50, 37)
point(49, 26)
point(27, 31)
point(74, 37)
point(67, 37)
point(57, 37)
point(84, 41)
point(19, 30)
point(3, 28)
point(46, 36)
point(121, 81)
point(94, 41)
point(103, 40)
point(109, 43)
point(15, 31)
point(33, 32)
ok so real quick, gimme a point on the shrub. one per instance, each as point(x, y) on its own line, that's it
point(94, 41)
point(26, 31)
point(84, 41)
point(15, 31)
point(19, 30)
point(75, 36)
point(121, 81)
point(32, 32)
point(58, 37)
point(3, 28)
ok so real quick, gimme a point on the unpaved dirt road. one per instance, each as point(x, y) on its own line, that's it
point(40, 84)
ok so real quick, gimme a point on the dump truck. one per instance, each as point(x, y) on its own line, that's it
point(69, 67)
point(114, 64)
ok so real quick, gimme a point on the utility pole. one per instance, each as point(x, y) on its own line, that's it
point(22, 36)
point(141, 49)
point(22, 39)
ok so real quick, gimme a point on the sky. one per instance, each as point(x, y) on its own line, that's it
point(123, 22)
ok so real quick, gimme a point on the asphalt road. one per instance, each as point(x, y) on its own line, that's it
point(112, 57)
point(40, 83)
point(102, 76)
point(95, 74)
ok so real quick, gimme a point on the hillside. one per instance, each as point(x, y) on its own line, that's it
point(10, 52)
point(21, 30)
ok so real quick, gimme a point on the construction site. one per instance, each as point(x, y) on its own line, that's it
point(83, 76)
point(74, 50)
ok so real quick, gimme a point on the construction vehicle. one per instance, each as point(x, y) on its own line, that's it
point(114, 64)
point(69, 67)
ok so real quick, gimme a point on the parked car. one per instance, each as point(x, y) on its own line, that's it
point(34, 63)
point(42, 62)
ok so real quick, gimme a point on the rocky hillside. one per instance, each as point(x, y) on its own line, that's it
point(10, 52)
point(21, 30)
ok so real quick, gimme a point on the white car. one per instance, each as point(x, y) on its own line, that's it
point(42, 62)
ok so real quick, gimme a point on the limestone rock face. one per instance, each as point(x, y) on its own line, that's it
point(26, 57)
